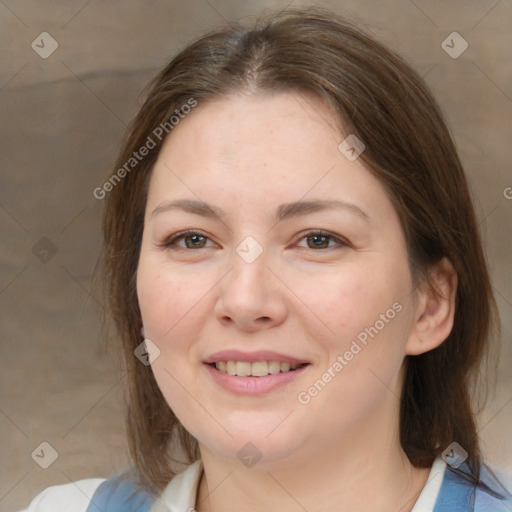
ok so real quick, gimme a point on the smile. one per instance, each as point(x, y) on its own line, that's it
point(254, 378)
point(256, 369)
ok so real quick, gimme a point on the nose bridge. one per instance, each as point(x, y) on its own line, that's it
point(249, 262)
point(249, 250)
point(249, 294)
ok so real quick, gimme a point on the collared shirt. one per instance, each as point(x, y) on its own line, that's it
point(447, 490)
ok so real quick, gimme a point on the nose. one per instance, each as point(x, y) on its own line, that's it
point(251, 297)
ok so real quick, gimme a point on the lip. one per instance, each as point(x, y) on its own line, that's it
point(252, 357)
point(253, 385)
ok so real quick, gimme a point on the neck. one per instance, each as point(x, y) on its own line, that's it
point(360, 475)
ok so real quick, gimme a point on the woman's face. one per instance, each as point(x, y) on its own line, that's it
point(263, 243)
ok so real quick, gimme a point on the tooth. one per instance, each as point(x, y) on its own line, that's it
point(274, 367)
point(259, 369)
point(231, 367)
point(243, 368)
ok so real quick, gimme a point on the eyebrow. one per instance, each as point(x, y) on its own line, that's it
point(283, 212)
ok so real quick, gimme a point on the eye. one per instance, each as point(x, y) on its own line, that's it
point(322, 240)
point(190, 239)
point(197, 240)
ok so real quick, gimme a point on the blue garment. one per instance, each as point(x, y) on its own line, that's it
point(458, 493)
point(120, 495)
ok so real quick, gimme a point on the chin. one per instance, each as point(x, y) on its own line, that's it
point(265, 447)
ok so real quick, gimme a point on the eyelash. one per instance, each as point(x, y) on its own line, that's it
point(170, 242)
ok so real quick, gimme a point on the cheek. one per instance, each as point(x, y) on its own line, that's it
point(175, 301)
point(348, 300)
point(165, 297)
point(170, 302)
point(364, 323)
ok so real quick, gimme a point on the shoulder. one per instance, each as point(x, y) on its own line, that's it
point(492, 494)
point(71, 497)
point(460, 491)
point(120, 493)
point(117, 494)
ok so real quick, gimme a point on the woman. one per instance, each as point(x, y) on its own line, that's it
point(294, 269)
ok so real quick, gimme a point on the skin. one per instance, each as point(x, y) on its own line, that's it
point(248, 154)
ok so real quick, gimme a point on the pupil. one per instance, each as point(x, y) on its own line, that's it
point(318, 240)
point(195, 240)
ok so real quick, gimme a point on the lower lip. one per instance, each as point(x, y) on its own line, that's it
point(254, 385)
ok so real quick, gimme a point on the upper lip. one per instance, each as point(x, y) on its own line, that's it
point(252, 357)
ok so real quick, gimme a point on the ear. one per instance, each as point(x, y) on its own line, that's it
point(435, 309)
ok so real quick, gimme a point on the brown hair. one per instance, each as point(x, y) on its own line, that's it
point(376, 96)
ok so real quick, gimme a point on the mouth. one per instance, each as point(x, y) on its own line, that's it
point(255, 369)
point(255, 378)
point(254, 373)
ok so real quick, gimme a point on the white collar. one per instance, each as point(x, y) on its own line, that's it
point(181, 492)
point(428, 496)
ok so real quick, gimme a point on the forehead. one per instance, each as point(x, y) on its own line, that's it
point(260, 149)
point(240, 126)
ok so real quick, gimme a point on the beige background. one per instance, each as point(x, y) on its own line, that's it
point(61, 123)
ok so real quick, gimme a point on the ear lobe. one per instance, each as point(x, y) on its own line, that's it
point(435, 309)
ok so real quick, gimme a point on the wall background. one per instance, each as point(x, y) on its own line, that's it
point(62, 119)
